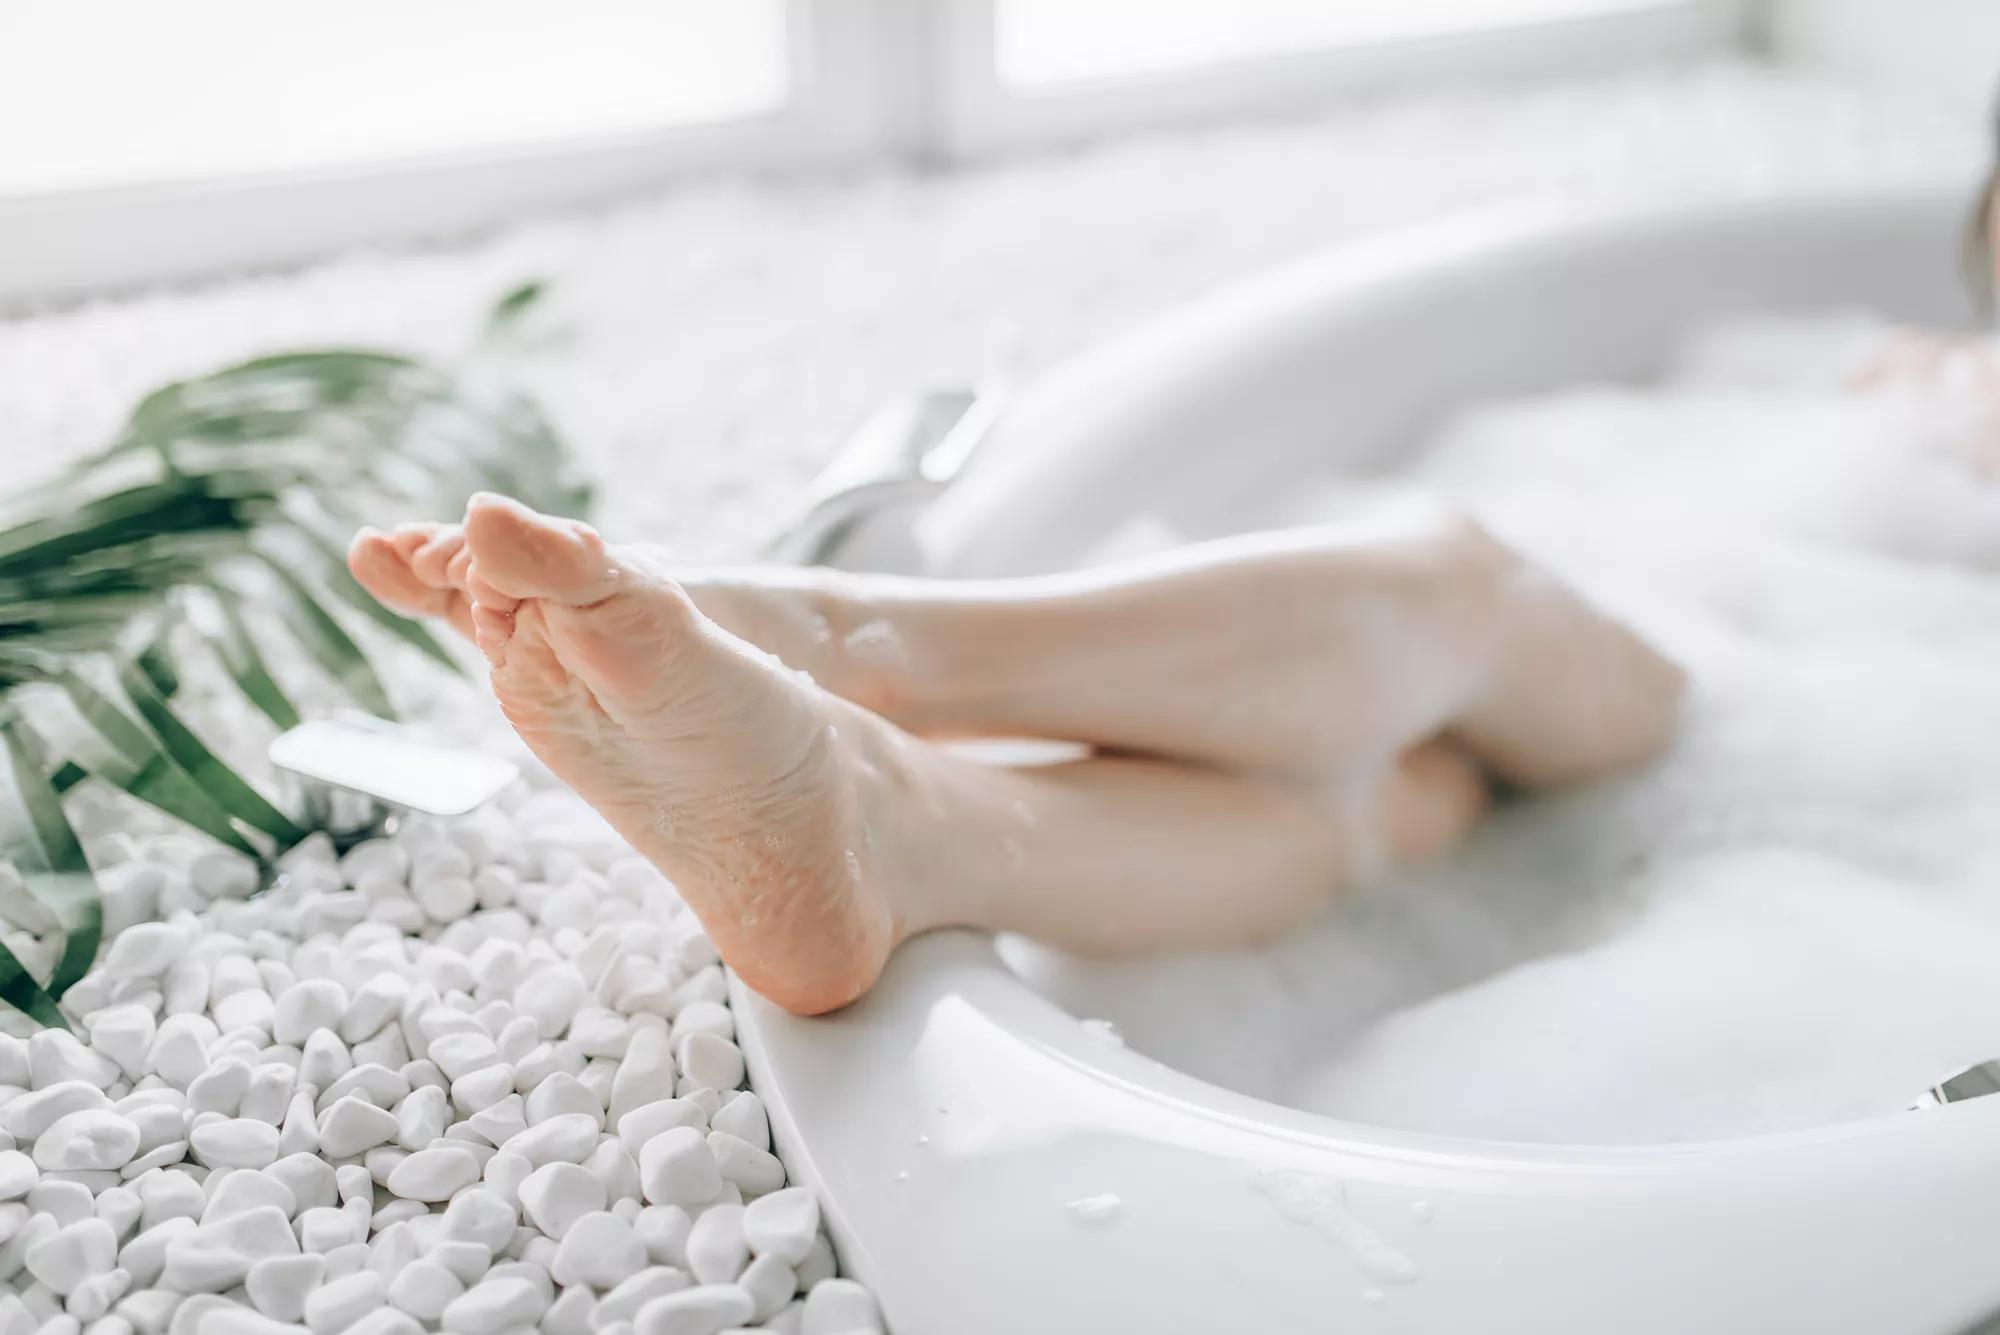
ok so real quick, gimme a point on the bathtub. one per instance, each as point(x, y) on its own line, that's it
point(991, 1165)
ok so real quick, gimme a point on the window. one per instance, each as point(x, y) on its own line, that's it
point(142, 141)
point(214, 89)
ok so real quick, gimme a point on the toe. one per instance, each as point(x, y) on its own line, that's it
point(431, 559)
point(525, 554)
point(383, 570)
point(537, 691)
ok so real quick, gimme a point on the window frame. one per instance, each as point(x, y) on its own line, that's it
point(869, 81)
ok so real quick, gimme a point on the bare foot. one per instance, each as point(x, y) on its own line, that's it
point(756, 792)
point(799, 614)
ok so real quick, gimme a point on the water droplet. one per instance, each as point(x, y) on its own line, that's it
point(902, 1175)
point(1104, 1031)
point(921, 1140)
point(1095, 1209)
point(1422, 1211)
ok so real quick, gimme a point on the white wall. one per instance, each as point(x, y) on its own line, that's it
point(1946, 48)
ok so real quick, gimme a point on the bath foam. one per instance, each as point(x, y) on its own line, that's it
point(1787, 921)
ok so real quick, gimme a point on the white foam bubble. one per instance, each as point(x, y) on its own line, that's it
point(1784, 923)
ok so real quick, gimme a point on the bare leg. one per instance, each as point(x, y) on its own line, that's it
point(811, 835)
point(1311, 653)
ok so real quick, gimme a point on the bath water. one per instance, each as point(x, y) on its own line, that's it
point(1791, 919)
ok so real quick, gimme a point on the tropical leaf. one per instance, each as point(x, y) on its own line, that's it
point(35, 836)
point(325, 639)
point(237, 653)
point(97, 733)
point(223, 505)
point(231, 791)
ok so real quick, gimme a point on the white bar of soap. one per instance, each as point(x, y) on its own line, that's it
point(392, 764)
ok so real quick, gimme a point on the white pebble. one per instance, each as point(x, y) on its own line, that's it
point(238, 1192)
point(704, 1017)
point(710, 1062)
point(144, 950)
point(278, 1285)
point(335, 1306)
point(236, 1142)
point(505, 1172)
point(574, 1312)
point(498, 1304)
point(375, 1083)
point(502, 1121)
point(251, 1008)
point(600, 1033)
point(561, 1093)
point(770, 1284)
point(599, 1250)
point(118, 1207)
point(434, 1174)
point(92, 1299)
point(646, 1075)
point(664, 1230)
point(478, 1090)
point(93, 1138)
point(462, 1053)
point(706, 1309)
point(270, 1090)
point(168, 1196)
point(421, 1117)
point(220, 1088)
point(326, 1230)
point(840, 1307)
point(70, 1255)
point(557, 1195)
point(755, 1171)
point(27, 1116)
point(623, 1303)
point(221, 873)
point(467, 1260)
point(648, 1120)
point(782, 1224)
point(374, 1004)
point(424, 1289)
point(180, 1048)
point(386, 1321)
point(481, 1215)
point(565, 1138)
point(17, 1175)
point(744, 1117)
point(716, 1248)
point(352, 1125)
point(818, 1265)
point(124, 1034)
point(63, 1201)
point(316, 1003)
point(677, 1167)
point(234, 1320)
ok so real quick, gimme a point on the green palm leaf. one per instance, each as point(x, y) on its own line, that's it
point(37, 839)
point(228, 498)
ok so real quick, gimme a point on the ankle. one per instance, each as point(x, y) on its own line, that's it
point(864, 654)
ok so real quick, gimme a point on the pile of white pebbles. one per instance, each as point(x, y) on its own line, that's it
point(477, 1076)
